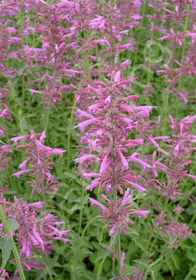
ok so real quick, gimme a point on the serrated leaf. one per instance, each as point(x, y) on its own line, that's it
point(13, 224)
point(140, 243)
point(23, 123)
point(49, 262)
point(103, 254)
point(6, 247)
point(175, 259)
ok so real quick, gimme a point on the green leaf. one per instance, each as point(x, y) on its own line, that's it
point(104, 253)
point(6, 247)
point(13, 224)
point(175, 259)
point(140, 243)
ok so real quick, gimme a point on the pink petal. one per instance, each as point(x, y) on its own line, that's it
point(17, 174)
point(138, 187)
point(103, 166)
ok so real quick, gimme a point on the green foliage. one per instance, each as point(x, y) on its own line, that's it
point(6, 248)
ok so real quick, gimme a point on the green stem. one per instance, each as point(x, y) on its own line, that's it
point(151, 265)
point(156, 238)
point(148, 77)
point(53, 89)
point(118, 233)
point(47, 114)
point(77, 253)
point(98, 65)
point(50, 275)
point(193, 219)
point(100, 268)
point(190, 272)
point(14, 249)
point(87, 68)
point(69, 137)
point(119, 254)
point(165, 105)
point(148, 243)
point(82, 236)
point(81, 210)
point(159, 260)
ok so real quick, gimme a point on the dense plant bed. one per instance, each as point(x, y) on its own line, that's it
point(97, 139)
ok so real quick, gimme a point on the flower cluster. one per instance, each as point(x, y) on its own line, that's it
point(136, 276)
point(38, 161)
point(118, 218)
point(35, 232)
point(180, 146)
point(4, 110)
point(171, 230)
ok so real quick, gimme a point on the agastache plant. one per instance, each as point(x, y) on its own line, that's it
point(107, 125)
